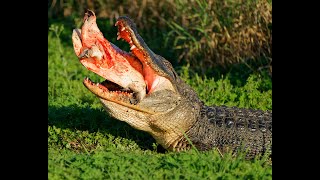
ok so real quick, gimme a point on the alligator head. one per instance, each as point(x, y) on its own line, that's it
point(141, 87)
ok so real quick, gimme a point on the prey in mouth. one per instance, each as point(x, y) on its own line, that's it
point(129, 76)
point(140, 88)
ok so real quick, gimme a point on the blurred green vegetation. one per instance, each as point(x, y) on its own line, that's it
point(207, 34)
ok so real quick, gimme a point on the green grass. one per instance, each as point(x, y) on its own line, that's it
point(85, 143)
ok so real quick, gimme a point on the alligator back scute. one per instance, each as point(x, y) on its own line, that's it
point(230, 128)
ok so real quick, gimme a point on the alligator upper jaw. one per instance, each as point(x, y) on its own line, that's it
point(156, 74)
point(133, 73)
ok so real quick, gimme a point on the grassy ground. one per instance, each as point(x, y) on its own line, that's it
point(84, 143)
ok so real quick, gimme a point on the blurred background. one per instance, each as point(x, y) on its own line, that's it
point(209, 36)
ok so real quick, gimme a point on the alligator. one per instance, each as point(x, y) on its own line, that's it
point(142, 89)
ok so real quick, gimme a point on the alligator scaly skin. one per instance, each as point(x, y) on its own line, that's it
point(229, 128)
point(224, 128)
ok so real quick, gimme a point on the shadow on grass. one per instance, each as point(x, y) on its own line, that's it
point(93, 120)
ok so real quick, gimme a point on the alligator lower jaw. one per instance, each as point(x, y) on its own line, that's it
point(110, 91)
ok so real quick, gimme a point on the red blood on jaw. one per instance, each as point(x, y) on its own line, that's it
point(125, 35)
point(134, 62)
point(123, 32)
point(111, 63)
point(149, 77)
point(148, 73)
point(107, 61)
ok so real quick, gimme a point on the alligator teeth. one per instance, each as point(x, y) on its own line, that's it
point(116, 23)
point(132, 47)
point(123, 28)
point(97, 84)
point(118, 37)
point(130, 41)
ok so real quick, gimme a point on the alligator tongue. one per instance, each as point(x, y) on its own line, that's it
point(105, 59)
